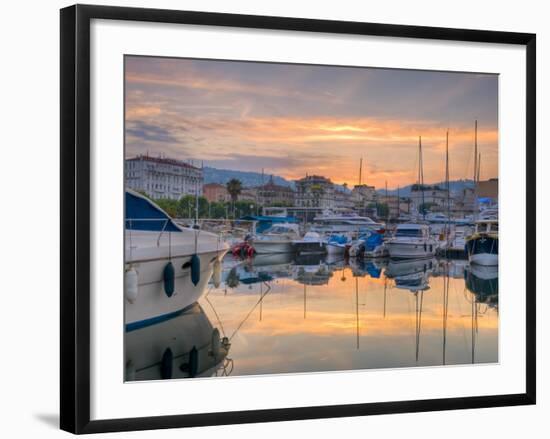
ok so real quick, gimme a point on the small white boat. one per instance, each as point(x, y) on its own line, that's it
point(311, 243)
point(278, 238)
point(337, 244)
point(411, 241)
point(370, 245)
point(330, 223)
point(482, 246)
point(457, 242)
point(167, 267)
point(437, 218)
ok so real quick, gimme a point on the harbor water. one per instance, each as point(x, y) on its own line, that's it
point(280, 313)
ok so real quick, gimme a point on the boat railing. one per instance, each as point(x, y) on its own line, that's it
point(164, 223)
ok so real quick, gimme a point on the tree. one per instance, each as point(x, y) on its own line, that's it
point(186, 206)
point(245, 207)
point(217, 209)
point(382, 209)
point(234, 187)
point(168, 205)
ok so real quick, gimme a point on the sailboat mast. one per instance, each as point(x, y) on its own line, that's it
point(421, 175)
point(475, 171)
point(448, 187)
point(479, 167)
point(475, 152)
point(398, 204)
point(387, 202)
point(357, 310)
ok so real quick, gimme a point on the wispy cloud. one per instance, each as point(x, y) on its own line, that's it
point(298, 119)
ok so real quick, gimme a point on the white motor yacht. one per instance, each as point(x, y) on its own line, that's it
point(167, 267)
point(411, 241)
point(311, 243)
point(278, 238)
point(330, 223)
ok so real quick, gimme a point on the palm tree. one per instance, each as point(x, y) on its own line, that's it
point(234, 187)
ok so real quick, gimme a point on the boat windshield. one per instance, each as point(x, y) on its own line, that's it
point(414, 233)
point(279, 230)
point(484, 227)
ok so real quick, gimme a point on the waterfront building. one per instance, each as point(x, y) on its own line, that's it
point(314, 191)
point(464, 204)
point(215, 192)
point(433, 196)
point(488, 189)
point(362, 195)
point(161, 177)
point(248, 194)
point(343, 199)
point(396, 205)
point(271, 194)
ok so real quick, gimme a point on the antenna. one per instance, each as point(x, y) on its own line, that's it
point(360, 169)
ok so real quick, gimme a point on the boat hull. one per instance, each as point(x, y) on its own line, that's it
point(482, 250)
point(403, 250)
point(152, 304)
point(267, 247)
point(309, 247)
point(336, 249)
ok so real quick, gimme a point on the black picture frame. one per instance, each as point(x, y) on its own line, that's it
point(75, 217)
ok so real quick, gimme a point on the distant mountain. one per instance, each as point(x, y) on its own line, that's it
point(248, 179)
point(455, 186)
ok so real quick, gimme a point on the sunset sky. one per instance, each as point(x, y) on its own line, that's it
point(296, 119)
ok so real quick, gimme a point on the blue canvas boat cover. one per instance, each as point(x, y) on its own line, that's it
point(373, 241)
point(265, 222)
point(338, 239)
point(142, 214)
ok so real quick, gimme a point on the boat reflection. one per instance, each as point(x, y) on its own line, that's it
point(185, 346)
point(482, 281)
point(412, 275)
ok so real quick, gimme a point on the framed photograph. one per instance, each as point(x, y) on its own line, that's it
point(268, 218)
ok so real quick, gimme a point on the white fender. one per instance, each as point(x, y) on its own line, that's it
point(217, 273)
point(131, 283)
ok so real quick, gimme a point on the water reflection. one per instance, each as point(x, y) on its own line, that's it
point(185, 346)
point(285, 314)
point(280, 314)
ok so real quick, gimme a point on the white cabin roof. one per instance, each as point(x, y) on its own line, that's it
point(411, 226)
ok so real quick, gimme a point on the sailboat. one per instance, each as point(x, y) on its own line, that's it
point(412, 240)
point(482, 246)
